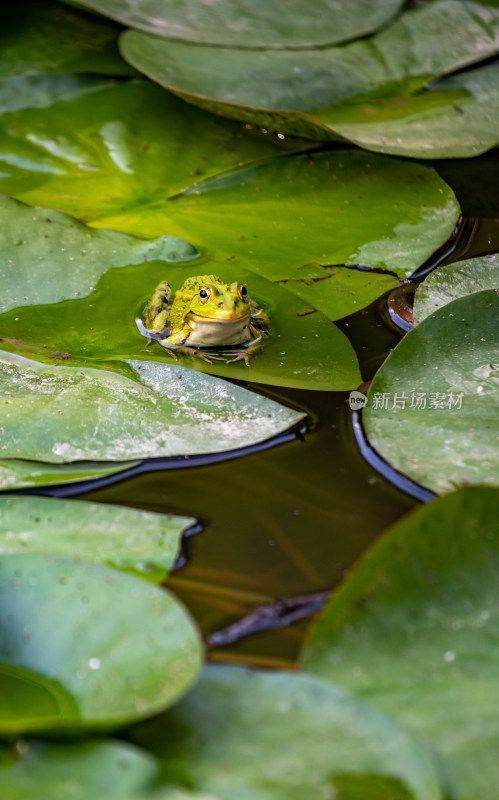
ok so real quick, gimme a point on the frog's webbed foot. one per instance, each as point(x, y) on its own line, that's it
point(245, 351)
point(181, 346)
point(242, 355)
point(208, 357)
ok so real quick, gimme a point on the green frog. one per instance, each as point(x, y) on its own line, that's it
point(206, 312)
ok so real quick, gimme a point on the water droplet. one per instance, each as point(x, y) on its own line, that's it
point(449, 657)
point(94, 663)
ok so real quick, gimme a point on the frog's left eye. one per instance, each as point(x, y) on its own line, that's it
point(243, 291)
point(204, 294)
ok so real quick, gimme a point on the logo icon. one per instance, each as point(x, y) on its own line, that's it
point(357, 400)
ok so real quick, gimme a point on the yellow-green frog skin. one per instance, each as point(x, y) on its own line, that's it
point(206, 312)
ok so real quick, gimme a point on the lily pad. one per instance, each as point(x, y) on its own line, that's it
point(18, 474)
point(453, 281)
point(284, 218)
point(96, 415)
point(282, 736)
point(305, 93)
point(89, 770)
point(458, 117)
point(48, 257)
point(89, 669)
point(432, 411)
point(125, 538)
point(45, 36)
point(413, 632)
point(304, 350)
point(236, 23)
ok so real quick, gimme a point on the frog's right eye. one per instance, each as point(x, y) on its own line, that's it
point(204, 294)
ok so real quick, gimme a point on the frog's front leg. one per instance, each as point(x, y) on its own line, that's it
point(157, 313)
point(259, 316)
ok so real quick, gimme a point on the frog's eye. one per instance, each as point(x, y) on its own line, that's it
point(204, 294)
point(243, 291)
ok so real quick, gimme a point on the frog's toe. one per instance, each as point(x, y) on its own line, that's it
point(208, 357)
point(238, 355)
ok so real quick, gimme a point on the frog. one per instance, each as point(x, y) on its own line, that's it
point(206, 312)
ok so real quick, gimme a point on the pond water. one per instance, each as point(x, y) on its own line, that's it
point(287, 522)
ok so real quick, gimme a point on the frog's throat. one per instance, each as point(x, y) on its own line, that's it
point(210, 331)
point(224, 316)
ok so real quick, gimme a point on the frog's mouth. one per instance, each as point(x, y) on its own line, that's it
point(229, 329)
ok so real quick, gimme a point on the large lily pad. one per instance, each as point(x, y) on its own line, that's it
point(48, 257)
point(128, 144)
point(96, 415)
point(125, 538)
point(432, 410)
point(256, 25)
point(304, 93)
point(453, 281)
point(413, 632)
point(65, 664)
point(284, 736)
point(18, 474)
point(45, 36)
point(284, 218)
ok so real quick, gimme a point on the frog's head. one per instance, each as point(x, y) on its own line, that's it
point(215, 300)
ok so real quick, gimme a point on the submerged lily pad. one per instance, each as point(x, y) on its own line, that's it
point(98, 415)
point(18, 474)
point(65, 664)
point(283, 736)
point(453, 281)
point(304, 92)
point(125, 538)
point(48, 257)
point(260, 24)
point(432, 410)
point(413, 632)
point(45, 36)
